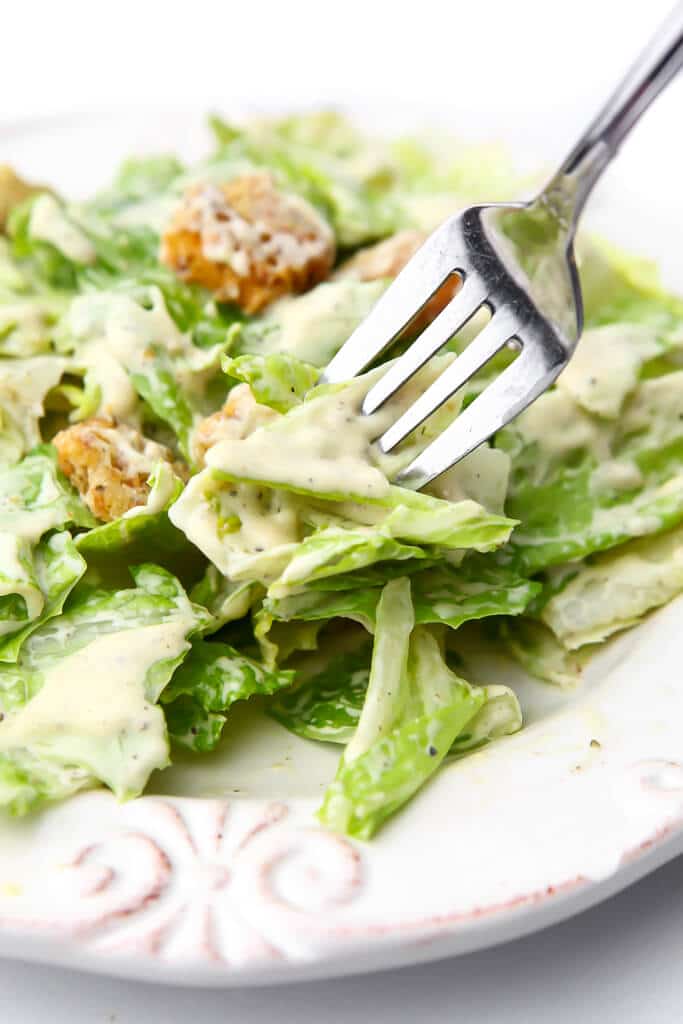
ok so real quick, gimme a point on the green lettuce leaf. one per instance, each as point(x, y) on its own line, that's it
point(24, 384)
point(537, 650)
point(620, 288)
point(224, 599)
point(111, 547)
point(327, 706)
point(211, 679)
point(55, 568)
point(278, 380)
point(414, 710)
point(616, 589)
point(54, 736)
point(445, 594)
point(581, 483)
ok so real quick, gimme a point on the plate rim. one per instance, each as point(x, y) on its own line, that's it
point(390, 945)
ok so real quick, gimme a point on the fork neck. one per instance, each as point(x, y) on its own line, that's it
point(659, 62)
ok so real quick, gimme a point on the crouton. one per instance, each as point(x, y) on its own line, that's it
point(240, 415)
point(387, 259)
point(109, 464)
point(247, 242)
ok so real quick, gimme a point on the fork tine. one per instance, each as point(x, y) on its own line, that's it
point(508, 395)
point(490, 340)
point(456, 314)
point(404, 298)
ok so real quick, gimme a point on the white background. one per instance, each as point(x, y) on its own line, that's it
point(544, 62)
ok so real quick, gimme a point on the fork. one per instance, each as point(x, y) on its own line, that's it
point(516, 260)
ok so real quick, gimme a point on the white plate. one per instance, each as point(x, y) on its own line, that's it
point(222, 877)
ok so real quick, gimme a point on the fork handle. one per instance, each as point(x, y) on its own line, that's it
point(659, 62)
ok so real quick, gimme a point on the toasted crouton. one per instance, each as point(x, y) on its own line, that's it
point(240, 415)
point(387, 259)
point(247, 242)
point(109, 464)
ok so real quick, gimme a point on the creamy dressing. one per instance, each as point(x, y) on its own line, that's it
point(24, 328)
point(30, 523)
point(50, 223)
point(482, 477)
point(114, 338)
point(325, 446)
point(616, 475)
point(321, 446)
point(655, 410)
point(314, 326)
point(230, 523)
point(559, 427)
point(24, 384)
point(93, 706)
point(604, 369)
point(164, 486)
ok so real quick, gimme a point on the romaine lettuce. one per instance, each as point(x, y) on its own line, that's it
point(67, 723)
point(414, 709)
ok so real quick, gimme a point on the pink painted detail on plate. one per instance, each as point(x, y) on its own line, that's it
point(200, 889)
point(230, 884)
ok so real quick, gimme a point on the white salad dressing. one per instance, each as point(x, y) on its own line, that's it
point(94, 700)
point(24, 328)
point(604, 369)
point(114, 336)
point(559, 427)
point(24, 384)
point(325, 446)
point(231, 522)
point(321, 446)
point(314, 326)
point(50, 223)
point(30, 524)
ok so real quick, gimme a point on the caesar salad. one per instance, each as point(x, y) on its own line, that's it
point(188, 519)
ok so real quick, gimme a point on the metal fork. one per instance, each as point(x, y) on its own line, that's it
point(518, 261)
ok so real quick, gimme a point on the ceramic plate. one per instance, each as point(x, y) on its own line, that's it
point(221, 876)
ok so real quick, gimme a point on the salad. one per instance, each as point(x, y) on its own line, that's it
point(188, 520)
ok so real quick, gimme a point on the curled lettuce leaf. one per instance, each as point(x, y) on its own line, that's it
point(616, 589)
point(444, 595)
point(54, 737)
point(52, 571)
point(414, 709)
point(110, 548)
point(211, 679)
point(537, 650)
point(24, 385)
point(327, 706)
point(581, 483)
point(277, 380)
